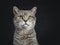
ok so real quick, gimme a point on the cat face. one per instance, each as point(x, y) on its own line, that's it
point(24, 19)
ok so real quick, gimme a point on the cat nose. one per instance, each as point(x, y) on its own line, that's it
point(25, 20)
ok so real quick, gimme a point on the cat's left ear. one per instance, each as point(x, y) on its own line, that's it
point(34, 10)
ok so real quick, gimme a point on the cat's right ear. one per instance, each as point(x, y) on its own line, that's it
point(15, 10)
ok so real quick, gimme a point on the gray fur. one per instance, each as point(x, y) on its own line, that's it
point(24, 27)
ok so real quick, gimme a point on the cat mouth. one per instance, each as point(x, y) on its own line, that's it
point(26, 24)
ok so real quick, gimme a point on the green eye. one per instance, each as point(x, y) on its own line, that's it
point(20, 17)
point(30, 17)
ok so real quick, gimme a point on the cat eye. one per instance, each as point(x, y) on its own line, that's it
point(20, 17)
point(30, 17)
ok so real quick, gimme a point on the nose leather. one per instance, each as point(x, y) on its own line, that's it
point(25, 20)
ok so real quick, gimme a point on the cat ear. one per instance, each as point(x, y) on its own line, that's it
point(15, 10)
point(34, 9)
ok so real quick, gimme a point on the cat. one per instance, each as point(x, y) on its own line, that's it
point(24, 22)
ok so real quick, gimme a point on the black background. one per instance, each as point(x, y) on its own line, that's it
point(47, 28)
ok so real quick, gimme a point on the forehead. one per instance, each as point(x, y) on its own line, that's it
point(25, 12)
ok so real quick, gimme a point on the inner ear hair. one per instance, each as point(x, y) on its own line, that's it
point(15, 10)
point(34, 9)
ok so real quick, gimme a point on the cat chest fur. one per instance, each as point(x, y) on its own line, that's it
point(25, 38)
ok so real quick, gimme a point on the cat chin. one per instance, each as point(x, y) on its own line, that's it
point(27, 27)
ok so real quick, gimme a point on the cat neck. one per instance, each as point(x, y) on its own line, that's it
point(23, 31)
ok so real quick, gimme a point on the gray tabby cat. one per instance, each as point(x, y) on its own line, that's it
point(24, 21)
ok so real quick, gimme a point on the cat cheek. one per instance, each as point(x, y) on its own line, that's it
point(34, 23)
point(20, 24)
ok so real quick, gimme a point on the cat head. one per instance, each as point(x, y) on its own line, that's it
point(24, 19)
